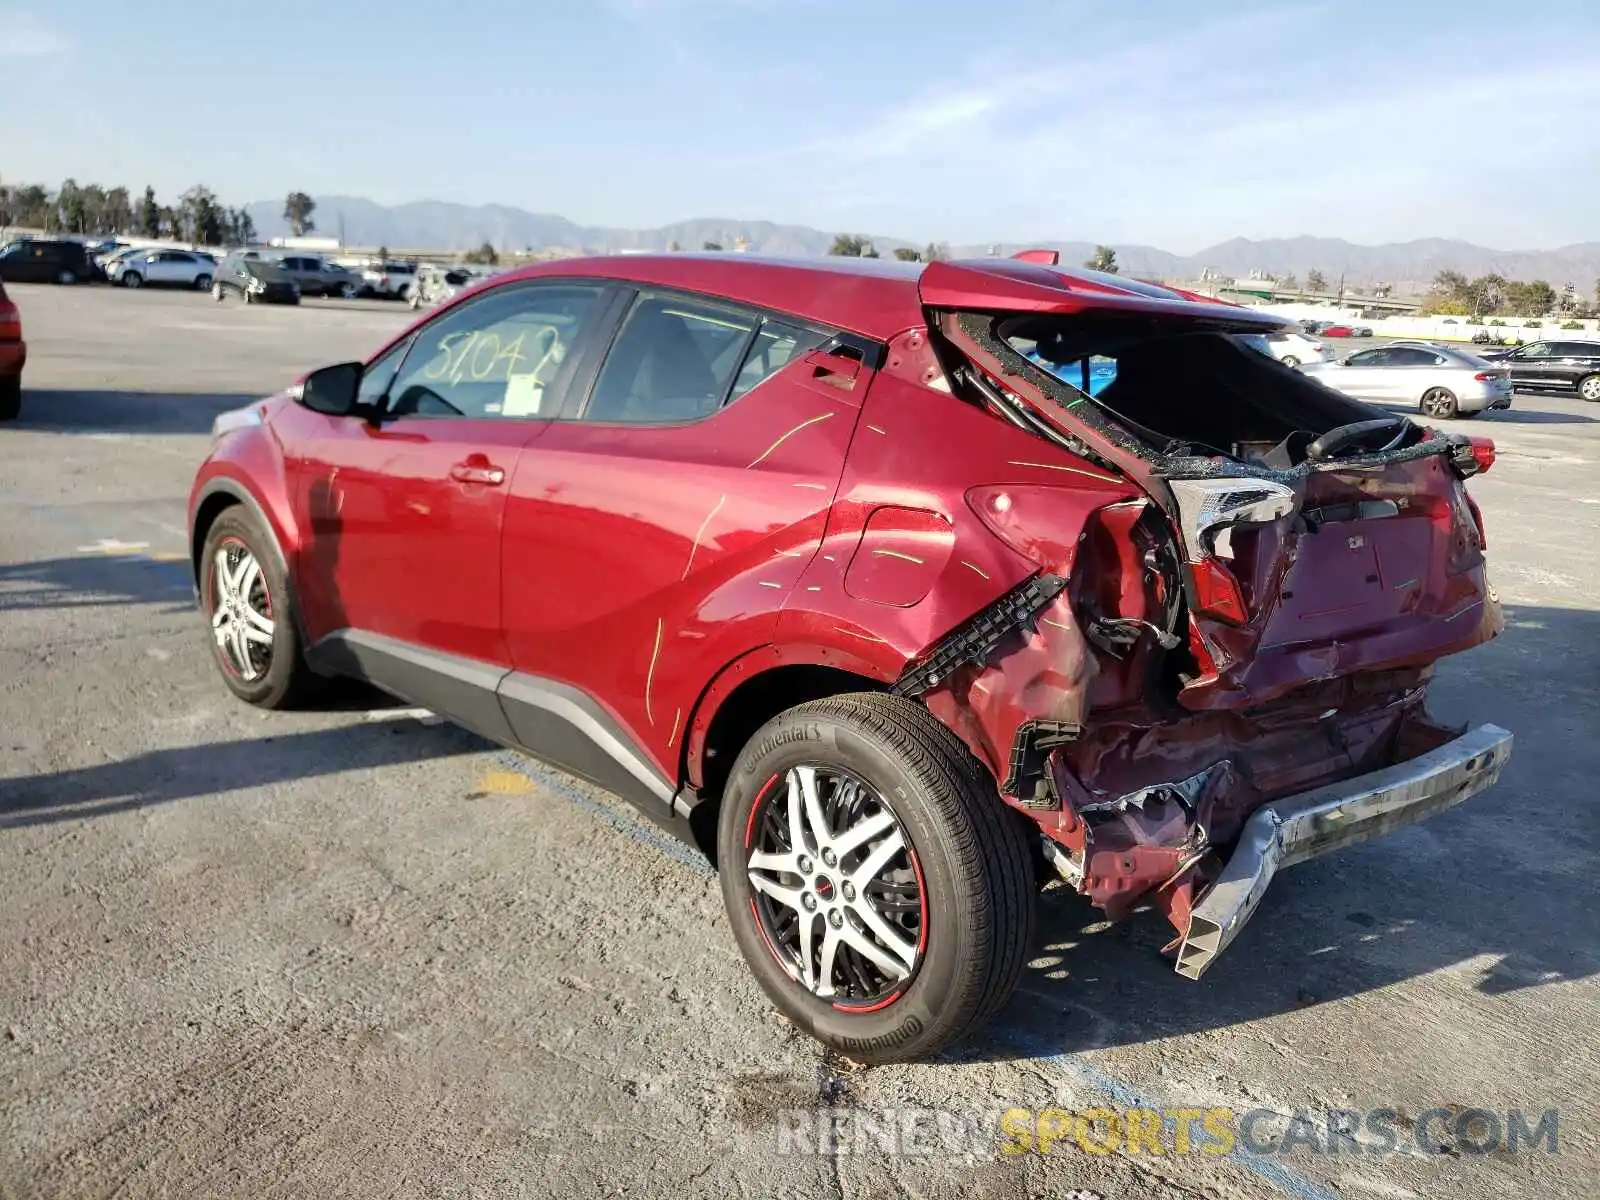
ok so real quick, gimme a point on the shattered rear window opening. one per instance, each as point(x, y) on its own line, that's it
point(1180, 394)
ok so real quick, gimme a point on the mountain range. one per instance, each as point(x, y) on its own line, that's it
point(1408, 266)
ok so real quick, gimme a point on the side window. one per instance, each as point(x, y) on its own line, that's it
point(775, 347)
point(673, 361)
point(496, 357)
point(1572, 350)
point(1410, 356)
point(1372, 358)
point(1537, 350)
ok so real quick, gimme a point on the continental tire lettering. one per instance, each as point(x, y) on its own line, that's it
point(886, 1041)
point(796, 733)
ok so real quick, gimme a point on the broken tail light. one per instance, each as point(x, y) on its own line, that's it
point(1207, 509)
point(1471, 456)
point(10, 322)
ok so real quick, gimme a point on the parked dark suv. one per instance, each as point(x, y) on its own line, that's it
point(46, 260)
point(1553, 366)
point(255, 280)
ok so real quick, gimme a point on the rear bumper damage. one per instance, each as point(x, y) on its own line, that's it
point(1313, 823)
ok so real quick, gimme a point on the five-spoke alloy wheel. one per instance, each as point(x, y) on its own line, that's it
point(838, 889)
point(249, 609)
point(877, 886)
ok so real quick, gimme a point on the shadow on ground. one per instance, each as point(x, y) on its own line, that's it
point(92, 581)
point(56, 410)
point(188, 772)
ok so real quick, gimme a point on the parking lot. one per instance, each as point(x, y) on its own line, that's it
point(361, 953)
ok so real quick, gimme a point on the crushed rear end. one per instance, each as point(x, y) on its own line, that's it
point(1222, 669)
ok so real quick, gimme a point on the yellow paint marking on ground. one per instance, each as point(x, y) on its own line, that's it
point(504, 783)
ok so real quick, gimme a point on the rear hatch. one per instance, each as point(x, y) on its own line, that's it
point(1318, 536)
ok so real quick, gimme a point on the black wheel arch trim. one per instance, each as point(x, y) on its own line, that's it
point(241, 495)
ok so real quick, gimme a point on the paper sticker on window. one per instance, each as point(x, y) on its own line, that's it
point(524, 393)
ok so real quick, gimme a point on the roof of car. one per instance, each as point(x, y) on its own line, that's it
point(879, 297)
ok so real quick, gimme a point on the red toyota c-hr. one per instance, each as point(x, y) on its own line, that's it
point(893, 586)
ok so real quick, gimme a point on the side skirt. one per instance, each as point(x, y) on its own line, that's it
point(552, 721)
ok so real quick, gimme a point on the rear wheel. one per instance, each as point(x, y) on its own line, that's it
point(1440, 402)
point(245, 598)
point(1289, 360)
point(1589, 388)
point(877, 886)
point(10, 398)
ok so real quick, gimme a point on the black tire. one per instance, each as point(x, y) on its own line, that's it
point(202, 283)
point(218, 292)
point(286, 681)
point(132, 279)
point(66, 277)
point(1440, 402)
point(975, 875)
point(1589, 388)
point(246, 296)
point(1289, 360)
point(10, 398)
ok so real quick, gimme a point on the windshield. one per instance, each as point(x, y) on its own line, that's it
point(267, 272)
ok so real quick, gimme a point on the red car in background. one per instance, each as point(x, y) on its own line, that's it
point(1338, 331)
point(13, 357)
point(820, 566)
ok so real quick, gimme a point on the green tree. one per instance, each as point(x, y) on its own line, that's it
point(868, 250)
point(118, 211)
point(907, 254)
point(1289, 283)
point(71, 214)
point(383, 254)
point(149, 214)
point(673, 247)
point(1316, 281)
point(1103, 259)
point(848, 245)
point(484, 255)
point(241, 227)
point(297, 210)
point(714, 247)
point(202, 216)
point(935, 252)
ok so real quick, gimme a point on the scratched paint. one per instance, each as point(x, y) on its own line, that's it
point(650, 674)
point(768, 452)
point(699, 534)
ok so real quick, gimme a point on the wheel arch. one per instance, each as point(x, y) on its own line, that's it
point(219, 495)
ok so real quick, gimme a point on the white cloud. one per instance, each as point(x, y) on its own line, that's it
point(24, 35)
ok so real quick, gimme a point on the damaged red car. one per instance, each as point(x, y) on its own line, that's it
point(894, 587)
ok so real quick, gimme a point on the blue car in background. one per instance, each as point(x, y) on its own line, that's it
point(1101, 371)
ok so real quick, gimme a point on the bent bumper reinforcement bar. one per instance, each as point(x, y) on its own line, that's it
point(1328, 818)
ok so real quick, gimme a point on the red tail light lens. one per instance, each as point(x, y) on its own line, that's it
point(1482, 452)
point(10, 322)
point(1216, 592)
point(1486, 376)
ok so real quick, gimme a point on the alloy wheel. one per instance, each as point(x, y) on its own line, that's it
point(1589, 388)
point(839, 894)
point(1437, 402)
point(241, 611)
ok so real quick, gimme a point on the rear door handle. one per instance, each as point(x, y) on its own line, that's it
point(478, 469)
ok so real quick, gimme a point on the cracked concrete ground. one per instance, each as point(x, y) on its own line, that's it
point(352, 953)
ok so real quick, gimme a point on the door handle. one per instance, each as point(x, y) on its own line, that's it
point(478, 469)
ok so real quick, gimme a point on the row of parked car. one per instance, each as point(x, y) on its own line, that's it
point(72, 261)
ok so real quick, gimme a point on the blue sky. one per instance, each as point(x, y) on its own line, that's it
point(1168, 122)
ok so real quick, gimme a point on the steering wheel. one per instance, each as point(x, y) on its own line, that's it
point(1335, 440)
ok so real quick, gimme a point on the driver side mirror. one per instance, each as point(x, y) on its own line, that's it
point(333, 390)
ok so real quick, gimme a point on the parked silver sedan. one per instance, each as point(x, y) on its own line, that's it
point(1440, 381)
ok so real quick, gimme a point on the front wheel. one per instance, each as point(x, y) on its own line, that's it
point(202, 283)
point(216, 292)
point(246, 601)
point(1289, 360)
point(1440, 402)
point(67, 278)
point(132, 279)
point(1589, 388)
point(876, 885)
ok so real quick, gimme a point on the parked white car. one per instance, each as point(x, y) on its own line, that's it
point(1296, 349)
point(389, 280)
point(172, 268)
